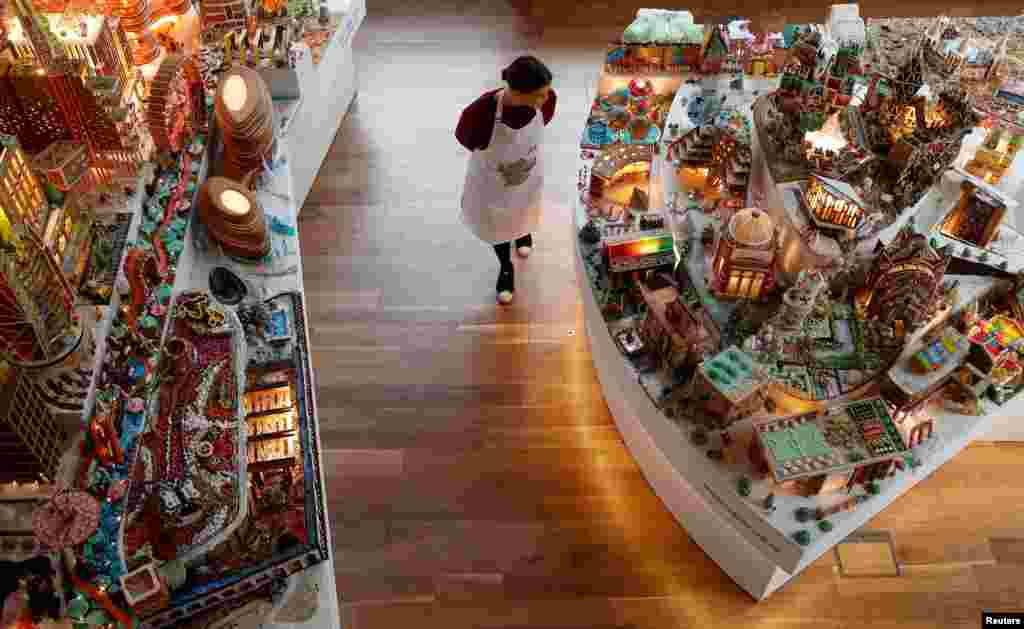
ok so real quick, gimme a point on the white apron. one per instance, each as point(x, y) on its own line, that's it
point(501, 198)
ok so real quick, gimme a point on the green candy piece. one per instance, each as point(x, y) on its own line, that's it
point(78, 607)
point(97, 617)
point(175, 574)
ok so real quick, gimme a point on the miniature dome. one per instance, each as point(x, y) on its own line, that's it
point(752, 228)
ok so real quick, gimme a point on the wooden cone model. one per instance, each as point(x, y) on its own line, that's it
point(234, 217)
point(245, 114)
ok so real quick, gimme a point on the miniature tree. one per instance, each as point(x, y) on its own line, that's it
point(803, 514)
point(802, 537)
point(825, 526)
point(743, 487)
point(873, 488)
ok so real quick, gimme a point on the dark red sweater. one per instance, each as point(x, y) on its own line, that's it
point(477, 121)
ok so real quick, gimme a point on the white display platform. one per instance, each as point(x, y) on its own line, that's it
point(733, 531)
point(193, 274)
point(327, 92)
point(754, 548)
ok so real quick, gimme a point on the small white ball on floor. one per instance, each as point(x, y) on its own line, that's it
point(524, 252)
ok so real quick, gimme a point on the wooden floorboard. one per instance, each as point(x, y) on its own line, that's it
point(475, 477)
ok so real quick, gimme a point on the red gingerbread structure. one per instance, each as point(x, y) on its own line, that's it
point(905, 282)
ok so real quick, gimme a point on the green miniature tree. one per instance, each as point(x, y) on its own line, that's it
point(743, 487)
point(803, 514)
point(825, 526)
point(802, 537)
point(873, 488)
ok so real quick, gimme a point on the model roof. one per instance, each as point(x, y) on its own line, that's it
point(752, 227)
point(615, 157)
point(834, 440)
point(734, 373)
point(841, 188)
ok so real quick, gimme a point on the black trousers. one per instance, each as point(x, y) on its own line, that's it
point(504, 249)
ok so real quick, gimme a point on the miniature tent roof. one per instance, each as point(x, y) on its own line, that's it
point(752, 227)
point(841, 189)
point(613, 159)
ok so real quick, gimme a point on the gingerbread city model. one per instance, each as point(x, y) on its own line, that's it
point(163, 422)
point(848, 276)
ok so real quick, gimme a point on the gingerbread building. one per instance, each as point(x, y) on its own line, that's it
point(617, 172)
point(976, 217)
point(830, 450)
point(726, 388)
point(219, 17)
point(905, 282)
point(676, 335)
point(745, 254)
point(833, 206)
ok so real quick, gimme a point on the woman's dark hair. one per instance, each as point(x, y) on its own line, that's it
point(526, 74)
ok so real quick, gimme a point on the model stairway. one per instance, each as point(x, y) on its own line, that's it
point(696, 147)
point(738, 171)
point(18, 337)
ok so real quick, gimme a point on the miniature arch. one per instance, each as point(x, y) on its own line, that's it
point(618, 157)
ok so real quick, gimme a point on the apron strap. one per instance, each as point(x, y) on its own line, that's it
point(501, 106)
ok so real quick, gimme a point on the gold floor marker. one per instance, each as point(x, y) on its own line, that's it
point(867, 554)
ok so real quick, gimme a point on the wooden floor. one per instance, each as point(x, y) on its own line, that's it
point(476, 477)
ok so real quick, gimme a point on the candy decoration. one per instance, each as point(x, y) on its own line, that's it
point(102, 600)
point(68, 519)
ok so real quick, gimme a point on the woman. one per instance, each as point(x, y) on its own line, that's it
point(501, 198)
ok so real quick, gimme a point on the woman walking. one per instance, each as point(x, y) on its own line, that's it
point(501, 201)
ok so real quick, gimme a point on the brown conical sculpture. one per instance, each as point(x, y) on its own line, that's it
point(245, 114)
point(234, 217)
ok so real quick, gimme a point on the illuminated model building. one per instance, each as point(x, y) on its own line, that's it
point(828, 451)
point(75, 88)
point(31, 440)
point(618, 171)
point(744, 259)
point(712, 160)
point(995, 156)
point(694, 148)
point(975, 218)
point(833, 206)
point(905, 281)
point(37, 300)
point(136, 17)
point(219, 17)
point(734, 159)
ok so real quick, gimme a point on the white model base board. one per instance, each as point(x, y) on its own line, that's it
point(716, 535)
point(756, 555)
point(326, 97)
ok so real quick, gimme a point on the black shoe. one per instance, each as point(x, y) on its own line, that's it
point(506, 285)
point(524, 245)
